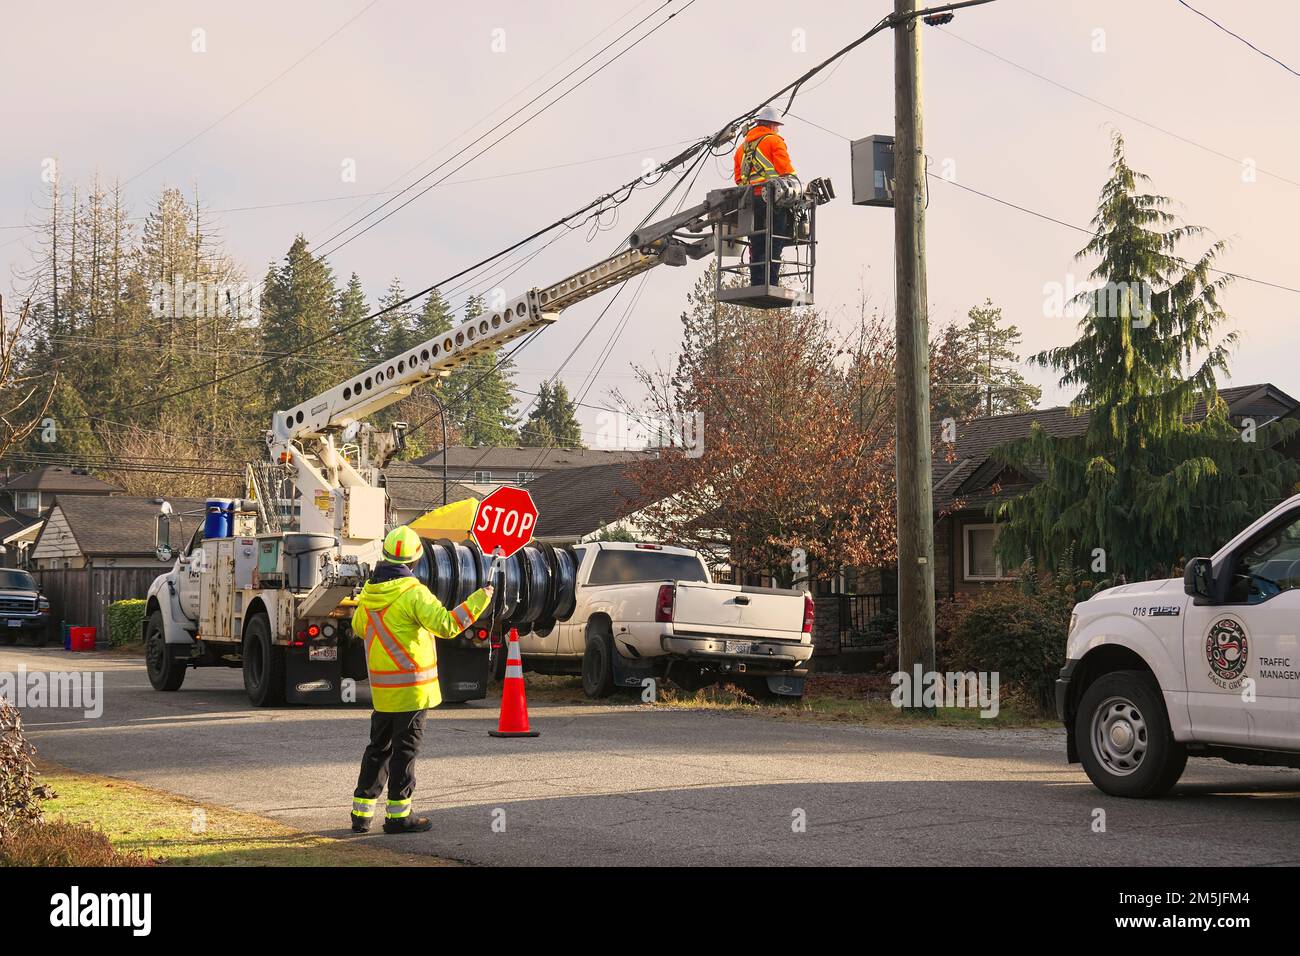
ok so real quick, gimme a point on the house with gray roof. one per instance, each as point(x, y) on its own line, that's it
point(90, 531)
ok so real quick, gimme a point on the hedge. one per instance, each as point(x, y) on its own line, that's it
point(125, 620)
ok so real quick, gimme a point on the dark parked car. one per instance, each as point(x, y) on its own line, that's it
point(23, 609)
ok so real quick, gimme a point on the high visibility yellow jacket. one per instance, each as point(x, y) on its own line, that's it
point(399, 620)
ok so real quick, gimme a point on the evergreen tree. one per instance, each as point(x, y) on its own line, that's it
point(480, 400)
point(1161, 473)
point(298, 307)
point(553, 421)
point(352, 309)
point(980, 360)
point(394, 331)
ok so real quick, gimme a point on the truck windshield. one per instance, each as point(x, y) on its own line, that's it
point(630, 567)
point(17, 580)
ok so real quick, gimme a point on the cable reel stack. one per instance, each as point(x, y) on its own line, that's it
point(536, 588)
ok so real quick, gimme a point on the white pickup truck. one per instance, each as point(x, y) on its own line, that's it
point(651, 610)
point(1206, 666)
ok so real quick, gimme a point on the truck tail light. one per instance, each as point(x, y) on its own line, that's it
point(808, 611)
point(664, 604)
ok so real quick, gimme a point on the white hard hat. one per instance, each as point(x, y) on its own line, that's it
point(768, 116)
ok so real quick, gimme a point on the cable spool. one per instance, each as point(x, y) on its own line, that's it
point(435, 570)
point(508, 587)
point(535, 590)
point(536, 578)
point(564, 577)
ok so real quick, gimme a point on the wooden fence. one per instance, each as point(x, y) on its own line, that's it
point(81, 596)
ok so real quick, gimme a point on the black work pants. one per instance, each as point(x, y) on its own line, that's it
point(390, 755)
point(781, 230)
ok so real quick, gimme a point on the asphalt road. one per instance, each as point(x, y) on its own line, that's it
point(626, 784)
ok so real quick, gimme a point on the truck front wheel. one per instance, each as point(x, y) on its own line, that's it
point(1123, 736)
point(165, 671)
point(264, 671)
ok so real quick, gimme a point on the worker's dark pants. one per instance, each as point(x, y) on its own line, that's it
point(390, 756)
point(781, 229)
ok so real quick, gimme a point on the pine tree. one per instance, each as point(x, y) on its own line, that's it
point(553, 421)
point(981, 368)
point(352, 309)
point(394, 330)
point(298, 307)
point(480, 400)
point(1161, 473)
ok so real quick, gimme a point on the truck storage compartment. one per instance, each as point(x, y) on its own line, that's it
point(302, 558)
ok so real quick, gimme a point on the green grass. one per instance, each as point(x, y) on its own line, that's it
point(159, 826)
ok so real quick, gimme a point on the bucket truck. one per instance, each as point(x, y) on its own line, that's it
point(267, 594)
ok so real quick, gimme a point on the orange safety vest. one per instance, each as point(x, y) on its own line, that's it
point(762, 156)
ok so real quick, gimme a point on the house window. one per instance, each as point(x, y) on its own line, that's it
point(27, 500)
point(482, 477)
point(525, 477)
point(980, 560)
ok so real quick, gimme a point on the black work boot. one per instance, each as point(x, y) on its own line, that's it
point(408, 825)
point(360, 824)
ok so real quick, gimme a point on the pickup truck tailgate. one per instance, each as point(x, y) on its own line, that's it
point(768, 613)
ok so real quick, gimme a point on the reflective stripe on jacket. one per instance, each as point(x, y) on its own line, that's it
point(762, 156)
point(399, 620)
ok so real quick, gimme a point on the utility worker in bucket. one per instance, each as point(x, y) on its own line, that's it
point(399, 618)
point(761, 158)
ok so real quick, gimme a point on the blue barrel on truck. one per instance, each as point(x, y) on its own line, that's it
point(217, 524)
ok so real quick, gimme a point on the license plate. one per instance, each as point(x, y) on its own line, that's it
point(738, 647)
point(13, 623)
point(322, 653)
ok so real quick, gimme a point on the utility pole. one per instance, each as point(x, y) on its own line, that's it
point(912, 374)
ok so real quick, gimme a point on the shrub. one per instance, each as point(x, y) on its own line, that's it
point(125, 619)
point(1020, 636)
point(20, 793)
point(59, 843)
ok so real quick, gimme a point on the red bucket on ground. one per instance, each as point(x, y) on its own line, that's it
point(81, 638)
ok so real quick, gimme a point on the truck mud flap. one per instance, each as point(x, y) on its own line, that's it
point(311, 682)
point(629, 672)
point(787, 685)
point(462, 671)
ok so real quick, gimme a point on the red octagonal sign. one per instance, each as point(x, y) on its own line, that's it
point(505, 519)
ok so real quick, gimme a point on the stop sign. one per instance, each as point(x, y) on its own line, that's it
point(505, 519)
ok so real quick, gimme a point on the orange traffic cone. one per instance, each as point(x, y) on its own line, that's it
point(514, 707)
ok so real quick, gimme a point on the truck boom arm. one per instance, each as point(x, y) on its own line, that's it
point(671, 241)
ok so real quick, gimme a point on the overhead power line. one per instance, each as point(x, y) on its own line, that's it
point(252, 96)
point(1045, 216)
point(1238, 37)
point(1236, 160)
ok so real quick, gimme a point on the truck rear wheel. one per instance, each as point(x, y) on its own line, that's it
point(1123, 737)
point(598, 664)
point(264, 670)
point(165, 671)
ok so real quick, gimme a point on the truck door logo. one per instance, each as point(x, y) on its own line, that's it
point(1227, 650)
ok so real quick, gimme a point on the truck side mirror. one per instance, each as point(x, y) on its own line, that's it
point(1198, 578)
point(162, 537)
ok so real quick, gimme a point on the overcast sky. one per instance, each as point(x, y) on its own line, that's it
point(117, 87)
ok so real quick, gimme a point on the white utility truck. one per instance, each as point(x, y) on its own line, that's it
point(266, 593)
point(653, 611)
point(1206, 666)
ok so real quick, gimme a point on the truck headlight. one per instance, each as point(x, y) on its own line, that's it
point(1074, 622)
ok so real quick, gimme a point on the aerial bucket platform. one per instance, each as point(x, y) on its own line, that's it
point(782, 233)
